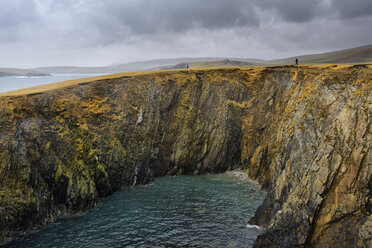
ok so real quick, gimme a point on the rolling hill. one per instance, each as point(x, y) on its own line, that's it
point(212, 64)
point(9, 72)
point(348, 56)
point(140, 65)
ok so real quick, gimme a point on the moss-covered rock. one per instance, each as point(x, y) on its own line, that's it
point(303, 132)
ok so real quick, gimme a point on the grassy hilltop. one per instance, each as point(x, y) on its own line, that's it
point(348, 56)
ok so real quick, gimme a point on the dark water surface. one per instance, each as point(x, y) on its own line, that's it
point(185, 211)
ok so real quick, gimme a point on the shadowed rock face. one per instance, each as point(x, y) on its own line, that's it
point(304, 133)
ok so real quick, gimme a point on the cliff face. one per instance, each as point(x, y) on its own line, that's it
point(319, 157)
point(304, 133)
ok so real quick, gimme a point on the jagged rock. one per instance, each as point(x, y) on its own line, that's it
point(303, 132)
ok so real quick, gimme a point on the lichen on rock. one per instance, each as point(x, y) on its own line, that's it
point(304, 133)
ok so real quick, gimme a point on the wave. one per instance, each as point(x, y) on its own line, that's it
point(249, 226)
point(29, 76)
point(238, 174)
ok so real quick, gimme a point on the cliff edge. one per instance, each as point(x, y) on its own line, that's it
point(303, 132)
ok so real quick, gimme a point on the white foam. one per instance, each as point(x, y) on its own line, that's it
point(27, 76)
point(241, 175)
point(146, 185)
point(238, 174)
point(253, 226)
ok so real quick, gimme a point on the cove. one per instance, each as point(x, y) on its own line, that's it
point(183, 211)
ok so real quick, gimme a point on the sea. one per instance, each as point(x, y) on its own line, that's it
point(20, 82)
point(182, 211)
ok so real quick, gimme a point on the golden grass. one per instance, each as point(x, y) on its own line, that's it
point(69, 83)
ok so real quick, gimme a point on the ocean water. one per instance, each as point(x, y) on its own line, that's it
point(184, 211)
point(20, 82)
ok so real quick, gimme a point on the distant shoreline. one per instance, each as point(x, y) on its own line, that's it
point(13, 72)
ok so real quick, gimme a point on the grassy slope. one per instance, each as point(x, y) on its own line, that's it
point(348, 56)
point(127, 67)
point(212, 64)
point(70, 83)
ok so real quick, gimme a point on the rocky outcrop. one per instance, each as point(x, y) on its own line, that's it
point(319, 159)
point(303, 132)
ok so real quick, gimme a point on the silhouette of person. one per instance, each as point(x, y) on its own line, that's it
point(187, 66)
point(296, 61)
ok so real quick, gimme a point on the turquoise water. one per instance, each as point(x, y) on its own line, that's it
point(185, 211)
point(20, 82)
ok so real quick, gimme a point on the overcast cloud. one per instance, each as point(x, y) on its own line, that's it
point(95, 32)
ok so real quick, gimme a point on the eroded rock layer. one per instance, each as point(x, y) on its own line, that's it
point(303, 132)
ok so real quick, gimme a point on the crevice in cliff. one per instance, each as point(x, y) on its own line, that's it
point(90, 141)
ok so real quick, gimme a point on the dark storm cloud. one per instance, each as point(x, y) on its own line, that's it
point(96, 30)
point(110, 21)
point(292, 10)
point(118, 19)
point(178, 16)
point(166, 17)
point(353, 8)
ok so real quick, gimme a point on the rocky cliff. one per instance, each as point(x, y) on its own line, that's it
point(303, 132)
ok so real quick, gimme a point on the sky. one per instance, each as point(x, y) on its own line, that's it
point(37, 33)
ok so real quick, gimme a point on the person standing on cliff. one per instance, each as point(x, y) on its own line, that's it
point(296, 61)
